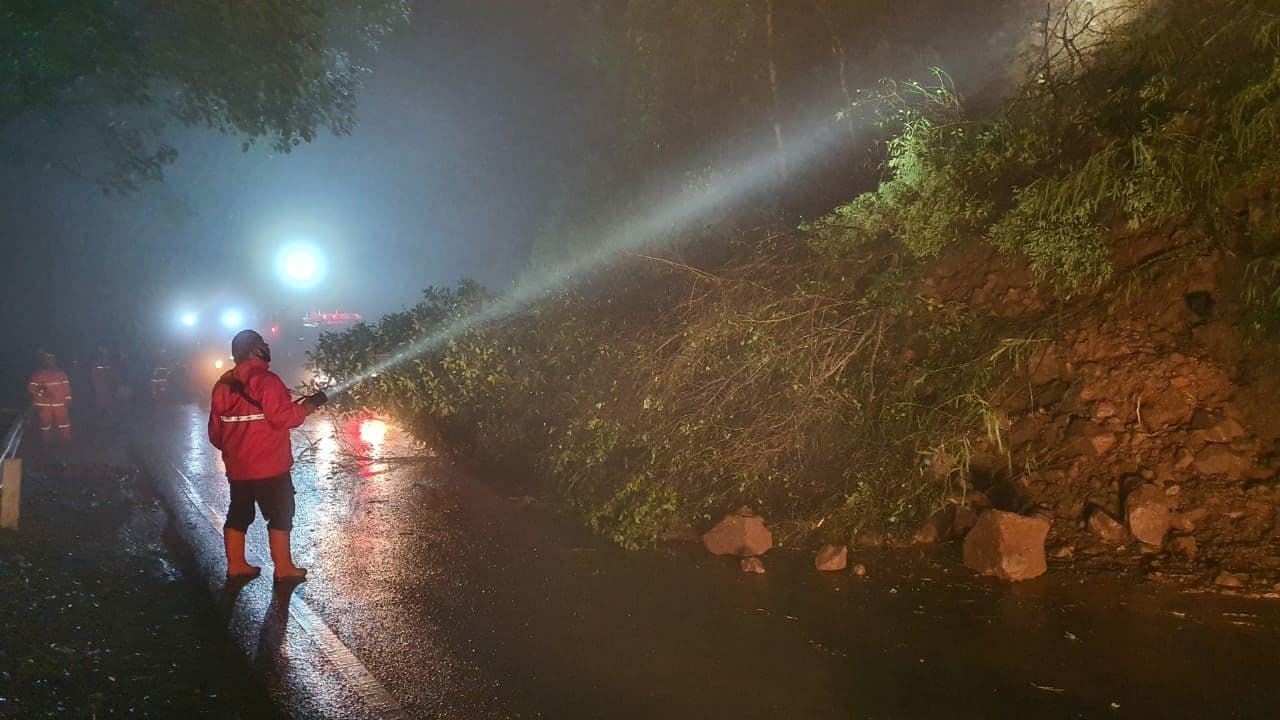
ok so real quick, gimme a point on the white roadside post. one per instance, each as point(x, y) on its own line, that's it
point(11, 475)
point(11, 494)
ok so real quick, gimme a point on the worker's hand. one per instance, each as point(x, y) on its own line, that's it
point(314, 401)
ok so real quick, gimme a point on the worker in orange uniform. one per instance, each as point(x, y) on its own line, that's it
point(51, 392)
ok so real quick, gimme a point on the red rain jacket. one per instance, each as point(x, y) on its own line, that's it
point(250, 419)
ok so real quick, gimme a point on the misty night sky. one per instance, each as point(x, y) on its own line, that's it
point(464, 129)
point(445, 176)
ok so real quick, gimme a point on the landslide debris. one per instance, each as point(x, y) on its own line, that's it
point(1068, 310)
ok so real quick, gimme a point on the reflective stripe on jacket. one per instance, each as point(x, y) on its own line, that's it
point(250, 417)
point(49, 387)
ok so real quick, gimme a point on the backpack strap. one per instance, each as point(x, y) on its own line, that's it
point(235, 385)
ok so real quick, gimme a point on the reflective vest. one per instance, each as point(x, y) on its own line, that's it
point(49, 387)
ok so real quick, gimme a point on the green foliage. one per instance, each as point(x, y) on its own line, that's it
point(640, 512)
point(1068, 245)
point(1173, 112)
point(48, 45)
point(938, 169)
point(606, 474)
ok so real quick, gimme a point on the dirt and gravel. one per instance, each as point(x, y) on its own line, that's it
point(1143, 423)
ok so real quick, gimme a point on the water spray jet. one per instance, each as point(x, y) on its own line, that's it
point(665, 219)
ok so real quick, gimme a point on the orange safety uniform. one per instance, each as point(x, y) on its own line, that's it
point(51, 392)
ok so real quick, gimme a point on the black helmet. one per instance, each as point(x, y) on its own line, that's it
point(244, 343)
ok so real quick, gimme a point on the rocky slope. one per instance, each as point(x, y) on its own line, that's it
point(1143, 421)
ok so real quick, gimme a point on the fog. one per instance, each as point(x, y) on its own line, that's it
point(442, 178)
point(464, 128)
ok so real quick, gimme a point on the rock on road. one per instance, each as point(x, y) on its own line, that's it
point(433, 596)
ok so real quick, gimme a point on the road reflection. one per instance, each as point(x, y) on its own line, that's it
point(338, 444)
point(198, 452)
point(373, 435)
point(349, 475)
point(326, 445)
point(342, 474)
point(373, 432)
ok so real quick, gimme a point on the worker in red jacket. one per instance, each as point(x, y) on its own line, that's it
point(250, 417)
point(51, 393)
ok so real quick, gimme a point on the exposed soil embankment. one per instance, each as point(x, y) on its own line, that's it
point(1152, 381)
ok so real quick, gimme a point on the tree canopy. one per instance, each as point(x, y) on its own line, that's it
point(273, 71)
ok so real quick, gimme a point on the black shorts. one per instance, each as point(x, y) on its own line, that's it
point(274, 496)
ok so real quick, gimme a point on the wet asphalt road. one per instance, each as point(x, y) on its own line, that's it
point(432, 596)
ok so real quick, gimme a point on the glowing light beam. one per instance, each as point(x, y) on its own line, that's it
point(663, 221)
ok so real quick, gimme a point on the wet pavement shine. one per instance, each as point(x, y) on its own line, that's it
point(433, 596)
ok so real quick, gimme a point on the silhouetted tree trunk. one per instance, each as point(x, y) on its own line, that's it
point(842, 62)
point(770, 47)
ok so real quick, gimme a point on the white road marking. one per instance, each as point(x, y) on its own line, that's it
point(354, 674)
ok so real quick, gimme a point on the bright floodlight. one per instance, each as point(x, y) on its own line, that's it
point(232, 319)
point(189, 319)
point(301, 266)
